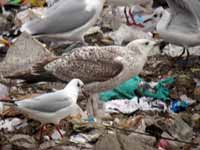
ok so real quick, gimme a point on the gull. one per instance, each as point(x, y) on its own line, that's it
point(181, 26)
point(100, 68)
point(66, 20)
point(51, 107)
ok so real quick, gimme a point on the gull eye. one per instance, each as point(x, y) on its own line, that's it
point(78, 84)
point(155, 15)
point(146, 43)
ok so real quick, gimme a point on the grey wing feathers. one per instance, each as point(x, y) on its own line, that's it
point(64, 18)
point(48, 103)
point(183, 19)
point(90, 65)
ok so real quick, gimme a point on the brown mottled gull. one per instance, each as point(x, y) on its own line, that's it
point(101, 68)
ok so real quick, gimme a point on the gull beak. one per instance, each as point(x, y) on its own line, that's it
point(161, 44)
point(157, 43)
point(84, 92)
point(5, 42)
point(148, 18)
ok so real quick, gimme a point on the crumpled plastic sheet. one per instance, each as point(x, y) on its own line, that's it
point(3, 90)
point(127, 33)
point(56, 136)
point(85, 139)
point(130, 106)
point(126, 90)
point(23, 141)
point(11, 124)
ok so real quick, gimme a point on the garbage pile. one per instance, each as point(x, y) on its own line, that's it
point(157, 109)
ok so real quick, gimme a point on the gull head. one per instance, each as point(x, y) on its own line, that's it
point(145, 46)
point(152, 20)
point(76, 84)
point(155, 16)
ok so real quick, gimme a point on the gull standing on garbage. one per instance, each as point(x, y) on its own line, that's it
point(66, 19)
point(100, 68)
point(51, 107)
point(181, 26)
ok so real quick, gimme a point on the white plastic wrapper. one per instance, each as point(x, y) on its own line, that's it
point(130, 106)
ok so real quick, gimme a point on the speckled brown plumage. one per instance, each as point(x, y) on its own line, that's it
point(101, 68)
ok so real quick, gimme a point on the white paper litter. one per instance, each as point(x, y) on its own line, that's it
point(10, 124)
point(130, 106)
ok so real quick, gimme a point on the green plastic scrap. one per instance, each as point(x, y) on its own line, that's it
point(14, 2)
point(161, 92)
point(126, 90)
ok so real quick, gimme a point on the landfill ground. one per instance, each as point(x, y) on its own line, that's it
point(139, 130)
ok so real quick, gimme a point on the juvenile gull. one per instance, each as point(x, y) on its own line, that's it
point(100, 68)
point(51, 107)
point(181, 26)
point(66, 19)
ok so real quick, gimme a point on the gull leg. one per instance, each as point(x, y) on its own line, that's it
point(41, 132)
point(133, 20)
point(45, 128)
point(95, 104)
point(187, 57)
point(58, 129)
point(90, 109)
point(92, 106)
point(185, 61)
point(132, 17)
point(115, 21)
point(98, 107)
point(188, 54)
point(125, 13)
point(183, 52)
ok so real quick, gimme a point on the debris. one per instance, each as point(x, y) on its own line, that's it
point(47, 145)
point(196, 120)
point(197, 93)
point(84, 138)
point(131, 106)
point(163, 145)
point(108, 141)
point(4, 91)
point(179, 106)
point(28, 15)
point(23, 141)
point(126, 90)
point(177, 128)
point(126, 34)
point(22, 55)
point(10, 124)
point(56, 136)
point(127, 143)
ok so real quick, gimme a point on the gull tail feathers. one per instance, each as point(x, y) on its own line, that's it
point(8, 103)
point(36, 73)
point(25, 28)
point(39, 66)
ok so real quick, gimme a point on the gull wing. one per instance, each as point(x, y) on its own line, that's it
point(91, 64)
point(48, 103)
point(63, 16)
point(185, 15)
